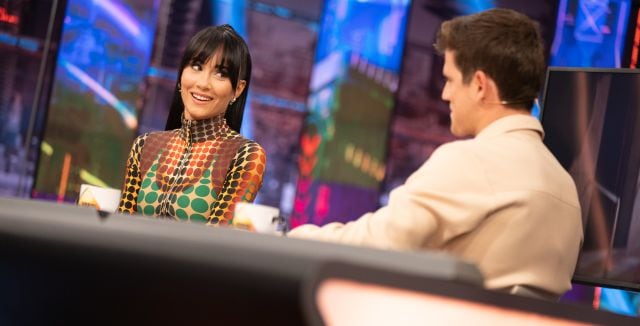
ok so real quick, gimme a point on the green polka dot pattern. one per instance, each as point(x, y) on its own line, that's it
point(196, 173)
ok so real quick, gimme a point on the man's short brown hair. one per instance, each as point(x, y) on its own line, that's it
point(504, 44)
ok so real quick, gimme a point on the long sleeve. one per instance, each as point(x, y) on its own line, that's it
point(132, 180)
point(446, 197)
point(242, 182)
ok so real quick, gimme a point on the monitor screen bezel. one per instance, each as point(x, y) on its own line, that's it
point(580, 279)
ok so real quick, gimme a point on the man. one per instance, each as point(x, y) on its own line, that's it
point(500, 200)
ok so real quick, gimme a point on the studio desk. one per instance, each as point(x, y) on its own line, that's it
point(64, 264)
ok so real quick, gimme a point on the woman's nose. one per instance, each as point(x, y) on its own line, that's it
point(203, 81)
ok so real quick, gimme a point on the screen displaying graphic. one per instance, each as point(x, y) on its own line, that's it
point(344, 139)
point(373, 29)
point(592, 125)
point(92, 119)
point(590, 33)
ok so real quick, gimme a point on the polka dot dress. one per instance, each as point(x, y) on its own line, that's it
point(196, 173)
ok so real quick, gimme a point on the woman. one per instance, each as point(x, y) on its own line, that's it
point(200, 166)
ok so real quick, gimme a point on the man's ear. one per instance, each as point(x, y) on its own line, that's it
point(240, 87)
point(480, 83)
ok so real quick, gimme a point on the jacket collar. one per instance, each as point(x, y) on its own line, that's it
point(510, 123)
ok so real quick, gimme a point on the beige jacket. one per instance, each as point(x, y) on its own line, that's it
point(500, 200)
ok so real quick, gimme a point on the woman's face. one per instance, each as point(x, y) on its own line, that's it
point(206, 89)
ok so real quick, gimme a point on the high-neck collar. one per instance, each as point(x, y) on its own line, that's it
point(195, 131)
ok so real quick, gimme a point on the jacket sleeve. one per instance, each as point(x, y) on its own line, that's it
point(243, 180)
point(447, 196)
point(132, 180)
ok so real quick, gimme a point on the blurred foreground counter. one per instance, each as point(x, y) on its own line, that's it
point(65, 264)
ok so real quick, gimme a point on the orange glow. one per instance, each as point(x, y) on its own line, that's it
point(64, 177)
point(308, 159)
point(345, 302)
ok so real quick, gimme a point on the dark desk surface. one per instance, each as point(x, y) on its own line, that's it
point(62, 264)
point(65, 257)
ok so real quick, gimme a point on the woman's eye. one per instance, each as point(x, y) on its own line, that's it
point(221, 74)
point(196, 67)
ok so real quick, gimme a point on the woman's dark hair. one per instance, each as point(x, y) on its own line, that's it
point(235, 57)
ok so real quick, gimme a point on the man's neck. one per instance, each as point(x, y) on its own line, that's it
point(497, 113)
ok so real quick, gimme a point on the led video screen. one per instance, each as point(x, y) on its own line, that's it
point(344, 140)
point(590, 33)
point(92, 119)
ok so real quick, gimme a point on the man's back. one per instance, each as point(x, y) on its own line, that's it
point(531, 231)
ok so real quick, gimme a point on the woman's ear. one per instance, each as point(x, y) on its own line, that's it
point(240, 87)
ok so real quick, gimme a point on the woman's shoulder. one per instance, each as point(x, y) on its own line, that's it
point(235, 139)
point(248, 150)
point(250, 156)
point(248, 145)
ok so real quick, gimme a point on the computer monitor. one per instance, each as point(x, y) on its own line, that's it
point(591, 119)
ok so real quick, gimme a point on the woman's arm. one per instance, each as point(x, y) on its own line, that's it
point(131, 186)
point(242, 182)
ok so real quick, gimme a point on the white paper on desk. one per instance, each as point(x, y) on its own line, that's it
point(103, 199)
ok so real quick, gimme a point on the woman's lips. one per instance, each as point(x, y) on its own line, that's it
point(201, 98)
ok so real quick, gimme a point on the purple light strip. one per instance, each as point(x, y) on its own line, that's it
point(557, 38)
point(622, 24)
